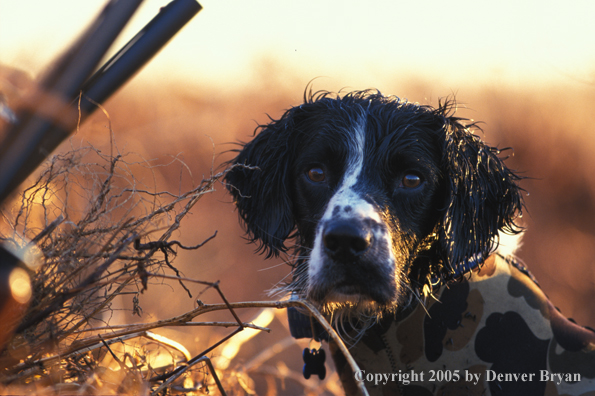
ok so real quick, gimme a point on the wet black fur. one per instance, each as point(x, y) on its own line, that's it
point(473, 195)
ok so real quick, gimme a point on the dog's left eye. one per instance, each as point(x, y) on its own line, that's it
point(316, 175)
point(410, 180)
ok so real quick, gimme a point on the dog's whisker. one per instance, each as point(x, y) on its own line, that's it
point(283, 263)
point(414, 293)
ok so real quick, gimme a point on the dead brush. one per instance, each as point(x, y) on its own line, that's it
point(94, 231)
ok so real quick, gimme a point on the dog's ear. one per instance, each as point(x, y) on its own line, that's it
point(483, 198)
point(260, 185)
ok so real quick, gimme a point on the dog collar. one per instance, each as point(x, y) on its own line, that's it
point(302, 325)
point(460, 271)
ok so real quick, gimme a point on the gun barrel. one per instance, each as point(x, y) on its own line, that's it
point(137, 52)
point(20, 151)
point(46, 123)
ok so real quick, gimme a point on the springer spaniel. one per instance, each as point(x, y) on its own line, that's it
point(387, 203)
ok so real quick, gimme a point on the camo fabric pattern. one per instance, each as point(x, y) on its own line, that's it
point(493, 334)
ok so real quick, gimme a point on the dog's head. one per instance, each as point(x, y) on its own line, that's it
point(379, 196)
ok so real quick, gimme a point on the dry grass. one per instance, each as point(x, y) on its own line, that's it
point(94, 232)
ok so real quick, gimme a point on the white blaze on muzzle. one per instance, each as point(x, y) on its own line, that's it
point(350, 207)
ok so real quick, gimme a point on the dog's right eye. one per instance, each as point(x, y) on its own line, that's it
point(411, 181)
point(316, 175)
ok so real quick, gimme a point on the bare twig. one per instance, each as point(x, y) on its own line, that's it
point(183, 369)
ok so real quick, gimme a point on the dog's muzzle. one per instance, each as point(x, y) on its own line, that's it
point(352, 262)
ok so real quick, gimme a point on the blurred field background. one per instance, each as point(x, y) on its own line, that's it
point(535, 98)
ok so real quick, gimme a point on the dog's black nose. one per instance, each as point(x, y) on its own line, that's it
point(345, 240)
